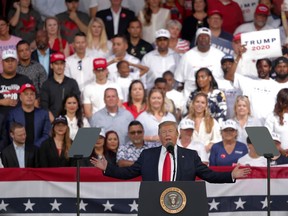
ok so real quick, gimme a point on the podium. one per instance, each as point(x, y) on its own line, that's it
point(173, 198)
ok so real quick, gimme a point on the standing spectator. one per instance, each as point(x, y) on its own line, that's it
point(72, 20)
point(232, 13)
point(203, 55)
point(112, 117)
point(89, 7)
point(43, 52)
point(136, 103)
point(19, 154)
point(260, 21)
point(7, 41)
point(273, 19)
point(6, 6)
point(229, 150)
point(25, 21)
point(206, 83)
point(153, 17)
point(154, 114)
point(28, 67)
point(197, 19)
point(161, 59)
point(10, 82)
point(55, 89)
point(111, 145)
point(130, 151)
point(93, 94)
point(176, 8)
point(243, 117)
point(98, 45)
point(137, 47)
point(35, 120)
point(54, 151)
point(79, 66)
point(72, 110)
point(49, 8)
point(281, 71)
point(56, 42)
point(116, 18)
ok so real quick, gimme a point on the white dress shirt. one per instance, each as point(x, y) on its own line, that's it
point(20, 153)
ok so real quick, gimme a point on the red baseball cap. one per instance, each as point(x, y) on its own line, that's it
point(27, 86)
point(57, 57)
point(237, 37)
point(99, 64)
point(262, 9)
point(212, 12)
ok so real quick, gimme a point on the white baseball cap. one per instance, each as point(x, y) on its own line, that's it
point(229, 124)
point(186, 124)
point(102, 133)
point(203, 30)
point(275, 137)
point(162, 33)
point(9, 53)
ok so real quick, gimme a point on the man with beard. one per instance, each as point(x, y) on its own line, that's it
point(260, 21)
point(43, 52)
point(281, 71)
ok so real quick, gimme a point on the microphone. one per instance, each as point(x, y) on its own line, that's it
point(170, 148)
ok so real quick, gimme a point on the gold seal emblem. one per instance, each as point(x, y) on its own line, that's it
point(173, 200)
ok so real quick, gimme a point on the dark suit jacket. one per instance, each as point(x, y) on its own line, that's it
point(35, 57)
point(189, 166)
point(107, 17)
point(3, 133)
point(9, 158)
point(42, 125)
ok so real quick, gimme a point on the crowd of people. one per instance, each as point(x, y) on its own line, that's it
point(127, 67)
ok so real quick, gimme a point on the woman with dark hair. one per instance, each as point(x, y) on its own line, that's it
point(153, 17)
point(54, 151)
point(278, 120)
point(25, 21)
point(197, 20)
point(136, 103)
point(206, 83)
point(111, 145)
point(72, 110)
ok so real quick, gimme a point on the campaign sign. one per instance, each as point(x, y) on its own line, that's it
point(262, 44)
point(223, 45)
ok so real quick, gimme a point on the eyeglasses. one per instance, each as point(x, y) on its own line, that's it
point(79, 67)
point(136, 132)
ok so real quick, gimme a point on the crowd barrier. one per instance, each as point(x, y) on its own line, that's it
point(42, 192)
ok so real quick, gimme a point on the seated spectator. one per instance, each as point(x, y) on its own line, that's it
point(55, 89)
point(206, 83)
point(111, 146)
point(129, 152)
point(282, 158)
point(176, 43)
point(98, 150)
point(28, 67)
point(25, 21)
point(136, 102)
point(72, 110)
point(19, 153)
point(207, 129)
point(7, 41)
point(98, 45)
point(56, 42)
point(186, 128)
point(112, 117)
point(229, 150)
point(35, 120)
point(54, 151)
point(243, 117)
point(155, 113)
point(72, 20)
point(252, 158)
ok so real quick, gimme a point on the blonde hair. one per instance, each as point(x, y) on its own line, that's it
point(246, 100)
point(103, 36)
point(163, 110)
point(208, 119)
point(58, 31)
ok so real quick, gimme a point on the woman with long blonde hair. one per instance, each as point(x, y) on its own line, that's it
point(97, 43)
point(56, 42)
point(207, 129)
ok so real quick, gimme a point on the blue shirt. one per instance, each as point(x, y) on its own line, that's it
point(44, 60)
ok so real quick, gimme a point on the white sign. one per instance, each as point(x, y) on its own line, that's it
point(262, 44)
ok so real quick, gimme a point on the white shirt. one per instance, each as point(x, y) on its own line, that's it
point(20, 153)
point(116, 17)
point(197, 146)
point(73, 127)
point(85, 5)
point(250, 27)
point(162, 159)
point(193, 60)
point(247, 160)
point(176, 97)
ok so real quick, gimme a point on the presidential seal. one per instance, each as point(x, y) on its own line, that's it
point(173, 200)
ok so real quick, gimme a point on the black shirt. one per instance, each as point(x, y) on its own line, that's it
point(29, 127)
point(138, 51)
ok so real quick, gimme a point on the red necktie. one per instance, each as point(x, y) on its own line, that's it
point(166, 174)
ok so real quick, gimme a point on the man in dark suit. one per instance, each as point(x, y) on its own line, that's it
point(18, 154)
point(151, 163)
point(35, 120)
point(43, 52)
point(116, 18)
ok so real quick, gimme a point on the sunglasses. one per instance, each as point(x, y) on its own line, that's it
point(136, 132)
